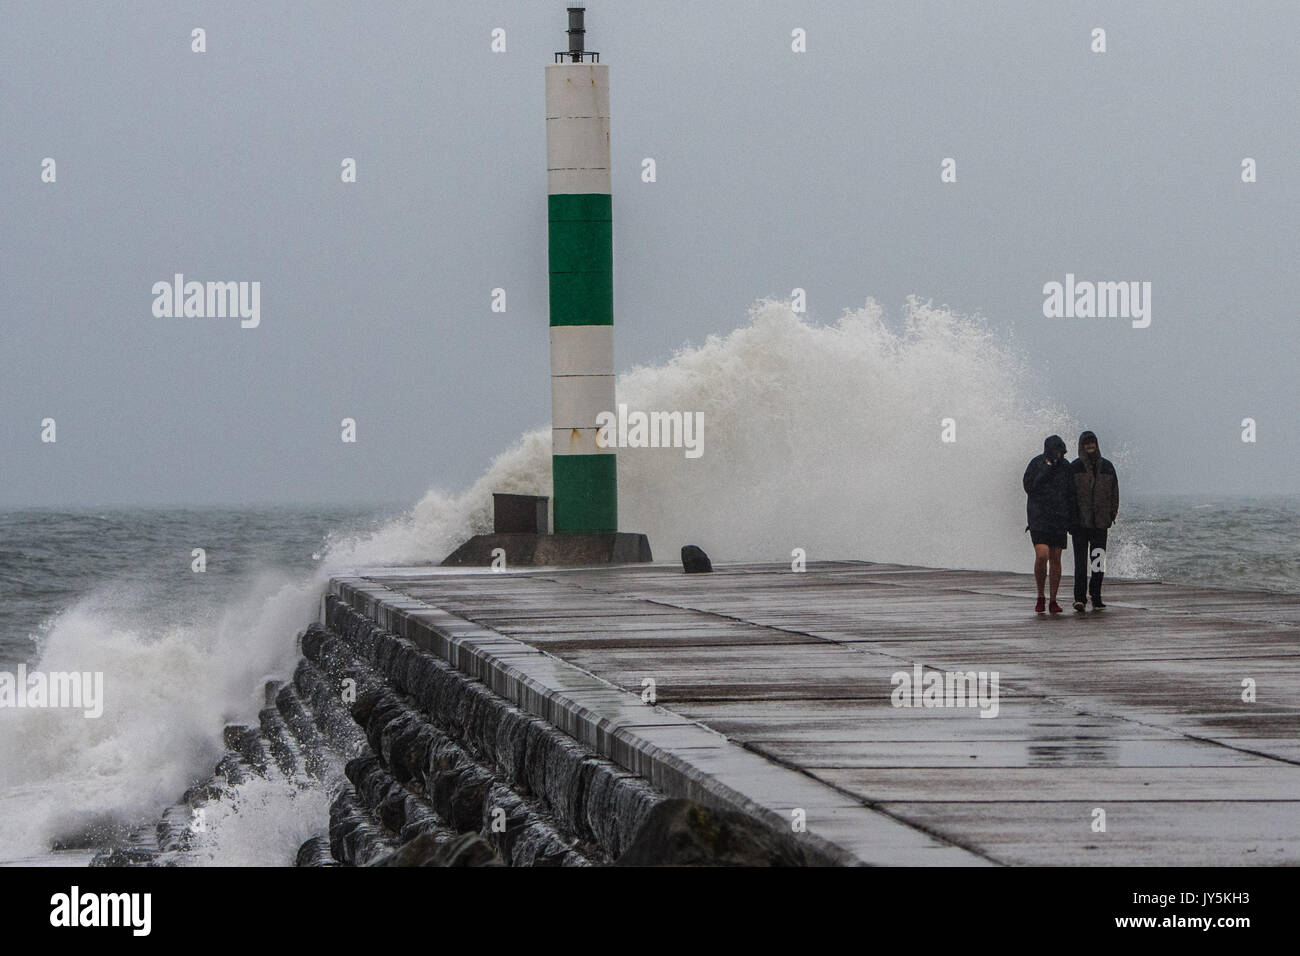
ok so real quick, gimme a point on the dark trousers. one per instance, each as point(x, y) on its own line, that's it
point(1086, 540)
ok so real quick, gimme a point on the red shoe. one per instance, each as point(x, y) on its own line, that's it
point(1054, 608)
point(1041, 606)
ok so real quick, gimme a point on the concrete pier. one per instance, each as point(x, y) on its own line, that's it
point(773, 694)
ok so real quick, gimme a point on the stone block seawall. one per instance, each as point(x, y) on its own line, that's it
point(447, 757)
point(427, 766)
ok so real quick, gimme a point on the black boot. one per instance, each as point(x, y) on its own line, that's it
point(1095, 589)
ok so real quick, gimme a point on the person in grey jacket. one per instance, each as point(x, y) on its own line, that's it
point(1097, 497)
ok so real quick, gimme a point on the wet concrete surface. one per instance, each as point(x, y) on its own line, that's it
point(1136, 711)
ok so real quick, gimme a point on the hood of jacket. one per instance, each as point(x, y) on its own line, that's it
point(1054, 443)
point(1084, 438)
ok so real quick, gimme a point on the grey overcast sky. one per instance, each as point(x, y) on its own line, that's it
point(775, 170)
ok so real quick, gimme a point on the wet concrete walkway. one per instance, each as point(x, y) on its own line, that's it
point(1136, 711)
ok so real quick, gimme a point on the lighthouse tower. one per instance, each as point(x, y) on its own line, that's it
point(580, 244)
point(581, 285)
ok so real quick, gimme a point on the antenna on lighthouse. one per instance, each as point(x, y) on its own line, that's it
point(577, 32)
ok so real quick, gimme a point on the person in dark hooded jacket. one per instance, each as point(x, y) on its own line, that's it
point(1051, 508)
point(1097, 504)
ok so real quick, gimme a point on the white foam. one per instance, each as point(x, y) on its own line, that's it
point(825, 438)
point(168, 693)
point(262, 822)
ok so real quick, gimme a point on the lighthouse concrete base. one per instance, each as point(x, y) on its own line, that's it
point(551, 550)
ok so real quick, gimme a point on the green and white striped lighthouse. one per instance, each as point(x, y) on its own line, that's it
point(582, 291)
point(585, 486)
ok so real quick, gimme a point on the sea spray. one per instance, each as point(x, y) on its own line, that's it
point(821, 437)
point(261, 822)
point(169, 693)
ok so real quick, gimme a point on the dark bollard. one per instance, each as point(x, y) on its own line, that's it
point(694, 560)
